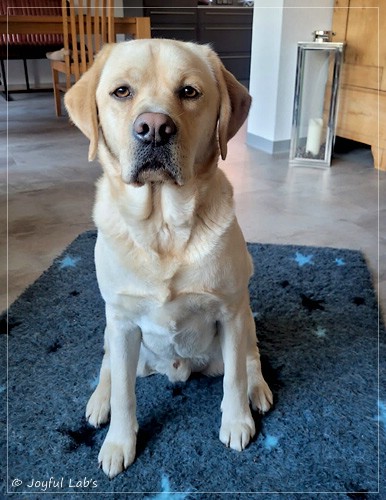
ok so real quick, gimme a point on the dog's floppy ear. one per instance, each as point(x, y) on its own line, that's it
point(80, 101)
point(232, 115)
point(235, 102)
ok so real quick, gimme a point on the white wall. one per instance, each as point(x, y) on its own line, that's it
point(277, 27)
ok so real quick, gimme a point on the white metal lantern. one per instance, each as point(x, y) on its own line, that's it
point(315, 102)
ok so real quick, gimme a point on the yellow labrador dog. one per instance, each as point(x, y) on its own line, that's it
point(172, 264)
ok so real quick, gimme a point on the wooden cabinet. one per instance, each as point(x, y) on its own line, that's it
point(362, 103)
point(227, 29)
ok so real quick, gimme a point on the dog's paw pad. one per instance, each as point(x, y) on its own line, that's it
point(237, 434)
point(98, 408)
point(261, 397)
point(115, 457)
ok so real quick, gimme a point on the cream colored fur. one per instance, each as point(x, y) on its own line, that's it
point(172, 264)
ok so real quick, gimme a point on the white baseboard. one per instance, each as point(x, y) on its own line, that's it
point(268, 146)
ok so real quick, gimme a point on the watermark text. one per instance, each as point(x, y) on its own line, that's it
point(55, 483)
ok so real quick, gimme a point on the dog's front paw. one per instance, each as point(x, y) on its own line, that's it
point(98, 407)
point(115, 456)
point(261, 397)
point(236, 433)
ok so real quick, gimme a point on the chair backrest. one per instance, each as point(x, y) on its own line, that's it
point(87, 26)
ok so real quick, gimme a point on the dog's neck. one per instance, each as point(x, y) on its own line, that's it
point(166, 219)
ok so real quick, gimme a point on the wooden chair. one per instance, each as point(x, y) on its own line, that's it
point(86, 28)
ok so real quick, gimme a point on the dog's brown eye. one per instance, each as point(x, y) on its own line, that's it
point(123, 92)
point(189, 92)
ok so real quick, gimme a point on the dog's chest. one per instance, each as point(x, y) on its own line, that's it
point(167, 299)
point(183, 327)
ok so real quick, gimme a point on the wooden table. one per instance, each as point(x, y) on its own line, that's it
point(136, 26)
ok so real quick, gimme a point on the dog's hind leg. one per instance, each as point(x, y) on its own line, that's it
point(98, 406)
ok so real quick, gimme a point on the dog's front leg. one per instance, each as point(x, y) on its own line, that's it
point(237, 425)
point(118, 449)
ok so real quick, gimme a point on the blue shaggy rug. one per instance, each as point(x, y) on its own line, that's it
point(323, 354)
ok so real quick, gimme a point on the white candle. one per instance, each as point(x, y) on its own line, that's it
point(314, 135)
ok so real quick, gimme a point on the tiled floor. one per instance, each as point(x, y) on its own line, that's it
point(51, 187)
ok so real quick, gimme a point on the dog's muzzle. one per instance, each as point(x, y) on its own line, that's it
point(154, 128)
point(155, 151)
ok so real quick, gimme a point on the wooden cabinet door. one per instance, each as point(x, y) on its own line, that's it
point(362, 111)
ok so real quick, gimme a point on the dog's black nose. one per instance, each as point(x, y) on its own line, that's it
point(155, 128)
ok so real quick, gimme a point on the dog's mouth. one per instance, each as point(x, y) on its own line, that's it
point(154, 172)
point(155, 165)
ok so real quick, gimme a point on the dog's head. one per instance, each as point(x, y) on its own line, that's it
point(157, 110)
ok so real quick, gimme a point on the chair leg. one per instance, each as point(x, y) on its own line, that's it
point(4, 81)
point(57, 99)
point(26, 75)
